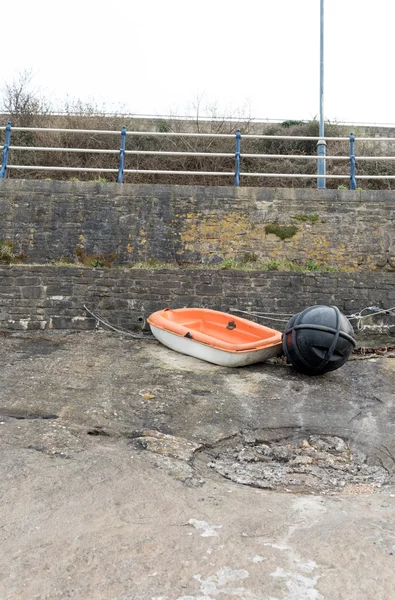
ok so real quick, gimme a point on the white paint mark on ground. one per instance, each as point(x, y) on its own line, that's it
point(299, 586)
point(208, 530)
point(278, 546)
point(226, 575)
point(257, 558)
point(213, 586)
point(308, 567)
point(306, 512)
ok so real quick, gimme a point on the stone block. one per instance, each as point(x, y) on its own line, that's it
point(113, 304)
point(208, 290)
point(61, 322)
point(59, 289)
point(32, 292)
point(28, 281)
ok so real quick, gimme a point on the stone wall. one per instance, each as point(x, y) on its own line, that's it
point(49, 221)
point(53, 297)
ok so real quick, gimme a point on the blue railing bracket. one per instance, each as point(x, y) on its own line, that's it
point(237, 158)
point(122, 155)
point(4, 156)
point(353, 183)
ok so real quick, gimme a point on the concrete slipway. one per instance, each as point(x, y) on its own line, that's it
point(131, 472)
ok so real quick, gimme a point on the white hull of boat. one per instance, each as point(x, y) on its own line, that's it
point(213, 355)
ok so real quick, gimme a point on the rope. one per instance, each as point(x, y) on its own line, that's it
point(262, 315)
point(358, 316)
point(100, 319)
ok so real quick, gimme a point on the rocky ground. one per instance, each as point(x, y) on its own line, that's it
point(131, 472)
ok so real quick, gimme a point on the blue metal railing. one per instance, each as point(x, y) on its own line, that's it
point(237, 155)
point(237, 158)
point(353, 183)
point(122, 155)
point(4, 155)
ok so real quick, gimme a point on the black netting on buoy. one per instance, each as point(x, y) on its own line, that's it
point(318, 339)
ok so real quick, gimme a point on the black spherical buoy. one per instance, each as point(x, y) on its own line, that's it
point(318, 340)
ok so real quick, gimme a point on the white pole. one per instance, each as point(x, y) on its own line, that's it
point(321, 145)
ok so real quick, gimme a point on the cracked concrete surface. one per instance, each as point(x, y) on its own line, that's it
point(105, 493)
point(291, 462)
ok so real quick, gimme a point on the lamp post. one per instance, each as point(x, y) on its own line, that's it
point(321, 145)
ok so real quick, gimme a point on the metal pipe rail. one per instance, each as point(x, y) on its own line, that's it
point(111, 151)
point(163, 172)
point(105, 170)
point(238, 155)
point(165, 153)
point(295, 175)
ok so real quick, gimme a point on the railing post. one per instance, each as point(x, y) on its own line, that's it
point(237, 157)
point(122, 155)
point(353, 183)
point(321, 166)
point(4, 157)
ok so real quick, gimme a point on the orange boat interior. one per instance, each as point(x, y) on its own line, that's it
point(216, 329)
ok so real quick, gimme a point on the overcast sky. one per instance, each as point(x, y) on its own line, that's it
point(260, 57)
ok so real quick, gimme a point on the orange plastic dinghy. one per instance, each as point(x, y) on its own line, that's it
point(215, 336)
